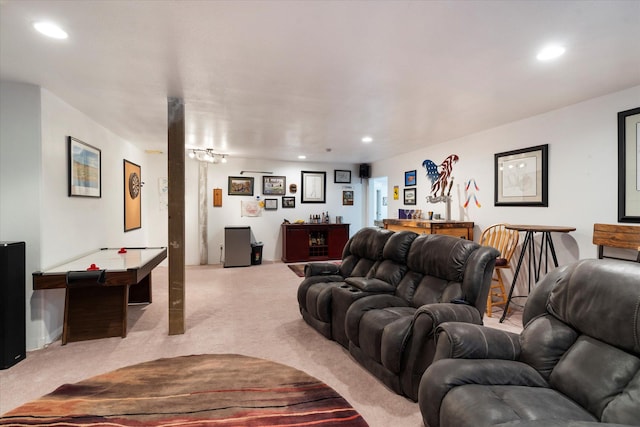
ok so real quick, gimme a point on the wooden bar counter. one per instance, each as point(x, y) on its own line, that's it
point(424, 226)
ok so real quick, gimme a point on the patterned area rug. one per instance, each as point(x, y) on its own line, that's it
point(204, 390)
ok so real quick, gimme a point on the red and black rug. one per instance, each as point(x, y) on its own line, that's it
point(203, 390)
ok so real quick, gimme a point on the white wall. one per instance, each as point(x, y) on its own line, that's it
point(265, 228)
point(35, 127)
point(583, 175)
point(20, 187)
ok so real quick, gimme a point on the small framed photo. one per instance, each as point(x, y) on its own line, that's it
point(347, 197)
point(409, 196)
point(274, 185)
point(240, 186)
point(410, 178)
point(521, 177)
point(342, 176)
point(270, 204)
point(288, 202)
point(85, 169)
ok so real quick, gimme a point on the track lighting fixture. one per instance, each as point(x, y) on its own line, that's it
point(207, 155)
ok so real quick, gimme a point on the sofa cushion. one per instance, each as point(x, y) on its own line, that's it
point(544, 343)
point(593, 374)
point(496, 404)
point(373, 327)
point(586, 301)
point(441, 256)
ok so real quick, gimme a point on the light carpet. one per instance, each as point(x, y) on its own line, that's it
point(246, 310)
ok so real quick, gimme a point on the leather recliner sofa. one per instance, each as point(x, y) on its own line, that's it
point(392, 335)
point(576, 362)
point(360, 256)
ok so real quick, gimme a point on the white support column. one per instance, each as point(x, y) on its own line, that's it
point(202, 213)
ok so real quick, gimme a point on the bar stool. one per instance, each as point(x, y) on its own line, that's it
point(505, 241)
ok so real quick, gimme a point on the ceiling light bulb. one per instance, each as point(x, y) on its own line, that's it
point(224, 159)
point(367, 139)
point(302, 157)
point(50, 29)
point(550, 52)
point(192, 154)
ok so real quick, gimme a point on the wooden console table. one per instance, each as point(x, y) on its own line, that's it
point(452, 228)
point(313, 242)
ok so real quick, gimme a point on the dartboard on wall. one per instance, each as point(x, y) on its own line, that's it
point(132, 195)
point(134, 185)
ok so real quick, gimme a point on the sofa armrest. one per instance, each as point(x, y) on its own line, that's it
point(370, 285)
point(446, 374)
point(449, 312)
point(469, 341)
point(321, 269)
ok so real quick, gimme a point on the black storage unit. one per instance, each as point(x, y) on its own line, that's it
point(13, 340)
point(256, 253)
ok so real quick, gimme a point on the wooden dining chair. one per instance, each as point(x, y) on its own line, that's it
point(506, 242)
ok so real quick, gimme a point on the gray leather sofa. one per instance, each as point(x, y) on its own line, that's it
point(576, 363)
point(360, 256)
point(392, 335)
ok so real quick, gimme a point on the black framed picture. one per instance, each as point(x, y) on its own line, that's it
point(521, 177)
point(409, 196)
point(240, 186)
point(629, 165)
point(342, 176)
point(270, 204)
point(313, 187)
point(274, 185)
point(410, 178)
point(288, 202)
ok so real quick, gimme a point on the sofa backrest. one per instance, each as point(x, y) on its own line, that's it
point(363, 250)
point(586, 340)
point(393, 265)
point(438, 269)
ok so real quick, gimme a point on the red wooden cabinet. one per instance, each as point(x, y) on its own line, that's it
point(313, 242)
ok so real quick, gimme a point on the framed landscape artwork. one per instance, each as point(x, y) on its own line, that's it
point(84, 169)
point(240, 186)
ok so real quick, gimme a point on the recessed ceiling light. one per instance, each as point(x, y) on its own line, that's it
point(550, 52)
point(302, 157)
point(50, 29)
point(367, 139)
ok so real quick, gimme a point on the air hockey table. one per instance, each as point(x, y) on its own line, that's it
point(99, 286)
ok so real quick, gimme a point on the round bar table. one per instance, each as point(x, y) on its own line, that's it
point(529, 246)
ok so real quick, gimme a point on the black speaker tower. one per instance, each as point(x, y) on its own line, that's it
point(365, 171)
point(12, 304)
